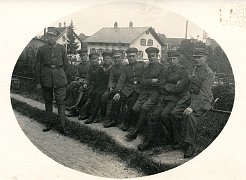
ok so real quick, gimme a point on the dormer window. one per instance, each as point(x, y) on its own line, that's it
point(150, 42)
point(143, 42)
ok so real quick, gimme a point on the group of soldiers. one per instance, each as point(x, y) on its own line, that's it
point(144, 96)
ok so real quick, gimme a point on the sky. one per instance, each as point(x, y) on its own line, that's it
point(90, 20)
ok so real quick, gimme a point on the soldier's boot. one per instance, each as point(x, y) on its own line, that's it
point(49, 122)
point(62, 118)
point(141, 120)
point(84, 110)
point(125, 120)
point(148, 141)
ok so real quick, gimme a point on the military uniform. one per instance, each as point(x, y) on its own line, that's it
point(199, 99)
point(114, 75)
point(50, 66)
point(74, 86)
point(176, 87)
point(97, 80)
point(149, 94)
point(129, 87)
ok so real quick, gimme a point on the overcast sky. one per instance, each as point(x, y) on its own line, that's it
point(89, 21)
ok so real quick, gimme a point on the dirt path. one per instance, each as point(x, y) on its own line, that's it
point(74, 154)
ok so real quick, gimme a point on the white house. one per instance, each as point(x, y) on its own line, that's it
point(122, 38)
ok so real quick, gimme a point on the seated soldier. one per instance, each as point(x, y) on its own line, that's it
point(96, 104)
point(129, 87)
point(190, 107)
point(153, 76)
point(177, 82)
point(114, 75)
point(73, 88)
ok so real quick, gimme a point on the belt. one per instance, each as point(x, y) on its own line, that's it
point(53, 66)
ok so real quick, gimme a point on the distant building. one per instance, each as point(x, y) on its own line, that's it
point(122, 38)
point(173, 43)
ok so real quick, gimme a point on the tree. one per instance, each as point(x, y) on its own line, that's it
point(72, 46)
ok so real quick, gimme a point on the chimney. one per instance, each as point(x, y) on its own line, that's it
point(59, 24)
point(130, 24)
point(64, 24)
point(115, 25)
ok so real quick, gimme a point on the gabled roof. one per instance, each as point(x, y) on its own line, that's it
point(120, 35)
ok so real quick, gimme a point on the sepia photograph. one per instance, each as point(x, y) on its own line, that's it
point(123, 89)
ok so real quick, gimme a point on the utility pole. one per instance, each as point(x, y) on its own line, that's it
point(186, 28)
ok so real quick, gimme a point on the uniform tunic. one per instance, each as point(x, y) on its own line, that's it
point(177, 83)
point(149, 94)
point(199, 99)
point(50, 65)
point(56, 57)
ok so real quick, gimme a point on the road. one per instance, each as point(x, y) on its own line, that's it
point(71, 153)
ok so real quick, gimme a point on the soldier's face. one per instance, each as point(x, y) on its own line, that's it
point(132, 58)
point(153, 57)
point(200, 60)
point(94, 60)
point(173, 61)
point(117, 59)
point(51, 39)
point(83, 56)
point(107, 60)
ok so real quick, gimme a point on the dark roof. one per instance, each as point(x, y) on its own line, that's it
point(120, 35)
point(174, 41)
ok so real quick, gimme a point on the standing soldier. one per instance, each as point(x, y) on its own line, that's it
point(177, 83)
point(154, 75)
point(74, 86)
point(50, 65)
point(114, 75)
point(190, 107)
point(129, 86)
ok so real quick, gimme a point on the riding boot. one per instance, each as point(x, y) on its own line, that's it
point(148, 141)
point(84, 110)
point(141, 120)
point(48, 119)
point(62, 118)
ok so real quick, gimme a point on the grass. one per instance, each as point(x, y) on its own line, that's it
point(98, 141)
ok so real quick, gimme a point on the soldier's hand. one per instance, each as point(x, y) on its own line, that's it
point(38, 86)
point(154, 80)
point(188, 111)
point(116, 97)
point(85, 86)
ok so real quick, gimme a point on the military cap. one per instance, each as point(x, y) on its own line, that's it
point(172, 53)
point(152, 50)
point(200, 52)
point(52, 32)
point(131, 50)
point(82, 50)
point(106, 53)
point(93, 54)
point(117, 53)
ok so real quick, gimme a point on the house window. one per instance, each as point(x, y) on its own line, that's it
point(143, 42)
point(150, 42)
